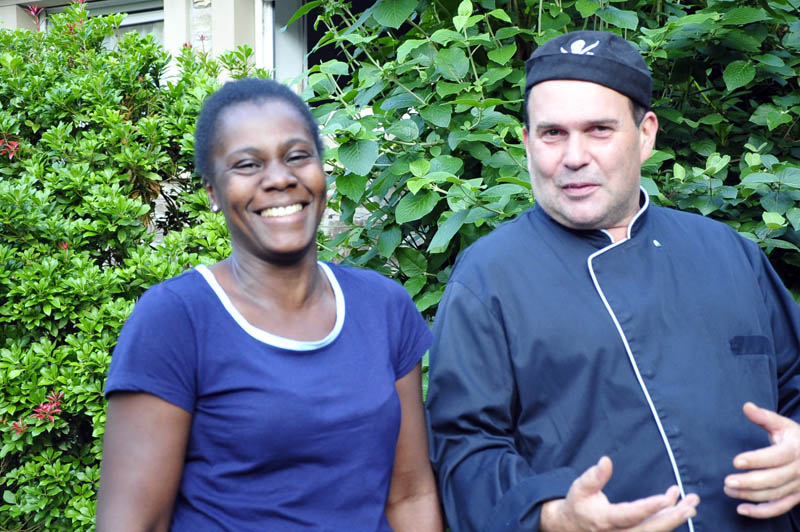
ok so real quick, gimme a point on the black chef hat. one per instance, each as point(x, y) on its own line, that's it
point(597, 56)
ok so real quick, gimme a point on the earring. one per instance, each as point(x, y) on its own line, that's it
point(214, 208)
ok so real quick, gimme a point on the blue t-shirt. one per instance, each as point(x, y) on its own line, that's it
point(285, 435)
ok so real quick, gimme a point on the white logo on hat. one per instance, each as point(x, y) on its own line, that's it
point(579, 47)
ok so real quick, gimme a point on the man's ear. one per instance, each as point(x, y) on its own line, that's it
point(647, 135)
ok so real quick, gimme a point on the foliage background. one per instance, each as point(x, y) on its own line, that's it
point(423, 104)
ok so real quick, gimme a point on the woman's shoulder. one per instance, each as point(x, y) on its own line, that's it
point(184, 289)
point(364, 281)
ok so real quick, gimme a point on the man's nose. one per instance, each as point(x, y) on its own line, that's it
point(577, 153)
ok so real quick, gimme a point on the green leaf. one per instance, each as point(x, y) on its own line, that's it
point(679, 172)
point(335, 67)
point(389, 239)
point(704, 147)
point(789, 176)
point(438, 115)
point(792, 37)
point(587, 8)
point(392, 13)
point(738, 74)
point(778, 243)
point(352, 186)
point(452, 63)
point(444, 36)
point(761, 114)
point(405, 129)
point(793, 215)
point(415, 284)
point(446, 231)
point(358, 156)
point(406, 48)
point(403, 100)
point(759, 178)
point(419, 167)
point(9, 497)
point(628, 20)
point(444, 88)
point(413, 207)
point(446, 163)
point(412, 262)
point(428, 299)
point(777, 118)
point(713, 118)
point(305, 8)
point(657, 157)
point(707, 204)
point(500, 14)
point(503, 54)
point(777, 201)
point(650, 186)
point(465, 8)
point(741, 16)
point(695, 18)
point(773, 220)
point(770, 59)
point(415, 184)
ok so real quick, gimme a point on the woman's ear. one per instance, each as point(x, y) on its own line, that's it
point(212, 196)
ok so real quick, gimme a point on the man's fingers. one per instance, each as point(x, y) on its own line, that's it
point(771, 509)
point(670, 518)
point(762, 479)
point(770, 421)
point(624, 515)
point(770, 493)
point(594, 479)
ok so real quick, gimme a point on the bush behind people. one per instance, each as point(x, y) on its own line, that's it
point(430, 158)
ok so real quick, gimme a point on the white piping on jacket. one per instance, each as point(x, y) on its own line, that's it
point(630, 353)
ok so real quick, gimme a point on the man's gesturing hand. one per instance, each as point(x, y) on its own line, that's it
point(587, 508)
point(774, 482)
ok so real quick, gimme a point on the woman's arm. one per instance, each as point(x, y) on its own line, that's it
point(413, 504)
point(143, 453)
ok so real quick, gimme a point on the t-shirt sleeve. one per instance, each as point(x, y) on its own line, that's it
point(156, 351)
point(412, 336)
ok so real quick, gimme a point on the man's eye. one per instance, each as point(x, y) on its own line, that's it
point(244, 165)
point(552, 133)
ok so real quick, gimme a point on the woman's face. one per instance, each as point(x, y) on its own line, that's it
point(269, 181)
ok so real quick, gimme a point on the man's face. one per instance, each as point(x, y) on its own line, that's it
point(585, 153)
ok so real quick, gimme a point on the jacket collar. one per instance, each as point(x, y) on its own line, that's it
point(599, 237)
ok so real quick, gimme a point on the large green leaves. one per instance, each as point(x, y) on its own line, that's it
point(393, 13)
point(358, 156)
point(415, 206)
point(738, 74)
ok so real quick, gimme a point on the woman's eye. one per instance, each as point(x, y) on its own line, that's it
point(297, 157)
point(244, 165)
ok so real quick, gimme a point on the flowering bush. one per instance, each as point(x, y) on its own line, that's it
point(95, 165)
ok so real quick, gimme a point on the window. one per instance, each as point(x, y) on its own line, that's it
point(144, 16)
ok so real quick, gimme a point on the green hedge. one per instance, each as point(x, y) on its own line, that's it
point(90, 137)
point(426, 115)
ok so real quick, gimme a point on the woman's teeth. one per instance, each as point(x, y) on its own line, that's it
point(282, 211)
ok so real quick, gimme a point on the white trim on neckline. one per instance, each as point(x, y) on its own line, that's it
point(273, 339)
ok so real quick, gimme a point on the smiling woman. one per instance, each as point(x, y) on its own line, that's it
point(269, 391)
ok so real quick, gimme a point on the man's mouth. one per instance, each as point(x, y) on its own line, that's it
point(284, 210)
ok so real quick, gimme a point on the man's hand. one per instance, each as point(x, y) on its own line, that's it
point(774, 482)
point(587, 508)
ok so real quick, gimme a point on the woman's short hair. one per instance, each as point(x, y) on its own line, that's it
point(246, 90)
